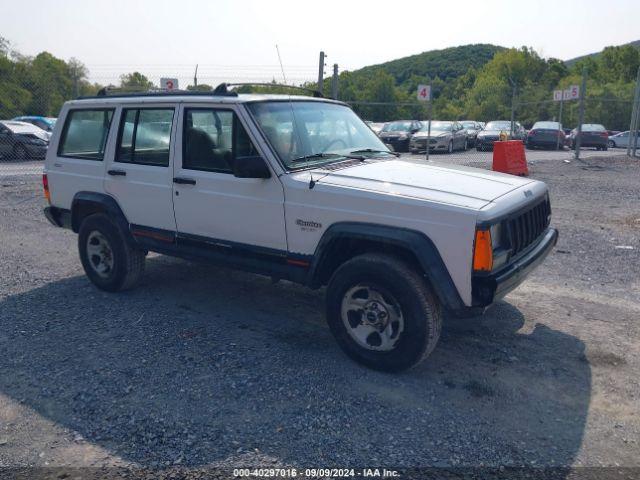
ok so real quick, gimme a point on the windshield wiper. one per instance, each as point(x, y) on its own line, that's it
point(312, 156)
point(371, 150)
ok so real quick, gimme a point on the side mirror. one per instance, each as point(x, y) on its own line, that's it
point(251, 167)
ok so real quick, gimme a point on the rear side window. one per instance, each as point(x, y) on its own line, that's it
point(85, 134)
point(145, 136)
point(213, 139)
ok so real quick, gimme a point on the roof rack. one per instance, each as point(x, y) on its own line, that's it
point(223, 88)
point(123, 92)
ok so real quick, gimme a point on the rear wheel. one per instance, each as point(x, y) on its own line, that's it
point(107, 258)
point(382, 312)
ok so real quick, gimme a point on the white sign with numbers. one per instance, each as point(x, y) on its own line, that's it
point(557, 95)
point(424, 93)
point(169, 83)
point(573, 93)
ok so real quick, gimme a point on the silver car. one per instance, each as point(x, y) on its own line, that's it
point(620, 140)
point(445, 137)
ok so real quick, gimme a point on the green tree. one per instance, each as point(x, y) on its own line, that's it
point(136, 81)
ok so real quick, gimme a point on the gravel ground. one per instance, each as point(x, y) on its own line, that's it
point(202, 366)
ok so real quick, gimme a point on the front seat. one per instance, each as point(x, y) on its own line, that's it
point(200, 152)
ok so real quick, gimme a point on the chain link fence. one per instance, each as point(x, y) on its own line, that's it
point(458, 138)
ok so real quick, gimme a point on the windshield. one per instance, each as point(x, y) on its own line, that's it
point(304, 133)
point(437, 127)
point(501, 125)
point(397, 127)
point(469, 125)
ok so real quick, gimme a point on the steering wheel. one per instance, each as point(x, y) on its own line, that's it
point(336, 140)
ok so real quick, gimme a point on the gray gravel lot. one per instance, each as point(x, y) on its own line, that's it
point(204, 366)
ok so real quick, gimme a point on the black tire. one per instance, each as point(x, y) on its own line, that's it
point(127, 262)
point(419, 307)
point(611, 144)
point(604, 149)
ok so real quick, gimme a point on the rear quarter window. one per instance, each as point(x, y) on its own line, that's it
point(85, 134)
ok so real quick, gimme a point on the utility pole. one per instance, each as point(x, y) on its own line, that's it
point(583, 87)
point(334, 82)
point(76, 88)
point(560, 121)
point(632, 143)
point(321, 72)
point(195, 78)
point(513, 107)
point(429, 111)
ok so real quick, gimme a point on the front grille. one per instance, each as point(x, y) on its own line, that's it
point(527, 227)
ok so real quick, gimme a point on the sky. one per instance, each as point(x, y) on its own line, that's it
point(236, 39)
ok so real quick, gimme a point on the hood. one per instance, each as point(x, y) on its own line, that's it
point(455, 185)
point(394, 134)
point(434, 134)
point(491, 132)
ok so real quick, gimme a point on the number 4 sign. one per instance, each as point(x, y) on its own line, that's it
point(424, 93)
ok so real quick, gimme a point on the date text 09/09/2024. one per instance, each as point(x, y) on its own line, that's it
point(315, 473)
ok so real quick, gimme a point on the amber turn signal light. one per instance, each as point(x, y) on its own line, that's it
point(483, 252)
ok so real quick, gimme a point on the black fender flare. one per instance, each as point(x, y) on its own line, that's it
point(103, 203)
point(416, 242)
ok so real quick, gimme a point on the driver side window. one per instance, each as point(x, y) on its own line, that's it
point(213, 139)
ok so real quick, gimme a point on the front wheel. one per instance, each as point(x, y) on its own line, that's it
point(107, 258)
point(382, 312)
point(611, 144)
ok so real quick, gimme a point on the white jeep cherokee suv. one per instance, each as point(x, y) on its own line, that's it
point(296, 188)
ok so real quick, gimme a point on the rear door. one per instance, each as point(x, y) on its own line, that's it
point(139, 173)
point(5, 141)
point(75, 158)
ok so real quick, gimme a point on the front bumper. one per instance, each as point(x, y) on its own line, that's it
point(397, 143)
point(487, 288)
point(36, 151)
point(436, 143)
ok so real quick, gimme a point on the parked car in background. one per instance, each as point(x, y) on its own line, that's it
point(45, 123)
point(619, 140)
point(613, 132)
point(376, 127)
point(546, 135)
point(398, 134)
point(491, 133)
point(472, 128)
point(593, 135)
point(445, 137)
point(21, 141)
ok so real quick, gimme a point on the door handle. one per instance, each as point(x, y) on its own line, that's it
point(184, 181)
point(117, 173)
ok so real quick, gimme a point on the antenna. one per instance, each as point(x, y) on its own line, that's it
point(281, 67)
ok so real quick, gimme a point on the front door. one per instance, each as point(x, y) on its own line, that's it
point(139, 174)
point(210, 203)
